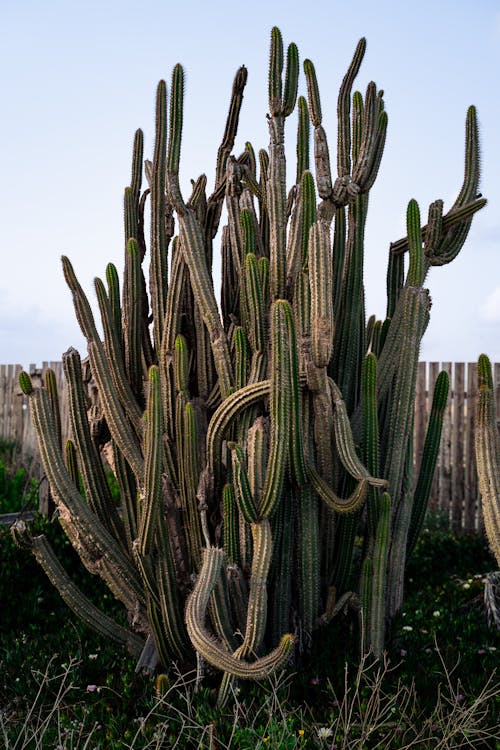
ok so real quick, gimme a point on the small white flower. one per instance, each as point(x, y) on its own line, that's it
point(436, 613)
point(92, 656)
point(324, 733)
point(408, 628)
point(466, 585)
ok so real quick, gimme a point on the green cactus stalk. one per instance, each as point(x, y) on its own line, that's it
point(271, 424)
point(488, 454)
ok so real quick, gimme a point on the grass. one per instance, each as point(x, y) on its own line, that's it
point(62, 686)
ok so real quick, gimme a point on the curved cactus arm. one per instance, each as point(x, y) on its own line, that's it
point(332, 500)
point(257, 599)
point(208, 646)
point(456, 223)
point(220, 614)
point(224, 415)
point(429, 458)
point(345, 442)
point(488, 454)
point(71, 594)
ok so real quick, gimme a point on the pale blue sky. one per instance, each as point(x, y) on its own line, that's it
point(77, 78)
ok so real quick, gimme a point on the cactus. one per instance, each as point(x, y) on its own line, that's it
point(488, 454)
point(247, 442)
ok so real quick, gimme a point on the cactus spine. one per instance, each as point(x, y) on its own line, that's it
point(264, 429)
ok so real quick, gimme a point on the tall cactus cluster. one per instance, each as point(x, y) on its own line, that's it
point(263, 447)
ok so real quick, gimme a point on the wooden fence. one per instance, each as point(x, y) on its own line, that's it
point(455, 489)
point(15, 422)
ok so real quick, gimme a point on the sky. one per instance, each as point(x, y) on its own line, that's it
point(77, 79)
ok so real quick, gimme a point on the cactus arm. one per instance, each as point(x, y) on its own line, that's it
point(224, 415)
point(416, 269)
point(395, 281)
point(114, 354)
point(207, 645)
point(487, 450)
point(244, 494)
point(344, 113)
point(128, 494)
point(365, 600)
point(377, 153)
point(214, 203)
point(152, 466)
point(456, 223)
point(256, 328)
point(51, 386)
point(97, 490)
point(378, 592)
point(291, 80)
point(132, 328)
point(230, 527)
point(158, 267)
point(302, 139)
point(280, 405)
point(263, 212)
point(194, 256)
point(429, 458)
point(321, 151)
point(308, 560)
point(93, 542)
point(368, 134)
point(71, 461)
point(370, 436)
point(113, 410)
point(349, 345)
point(71, 594)
point(332, 500)
point(175, 293)
point(345, 442)
point(322, 324)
